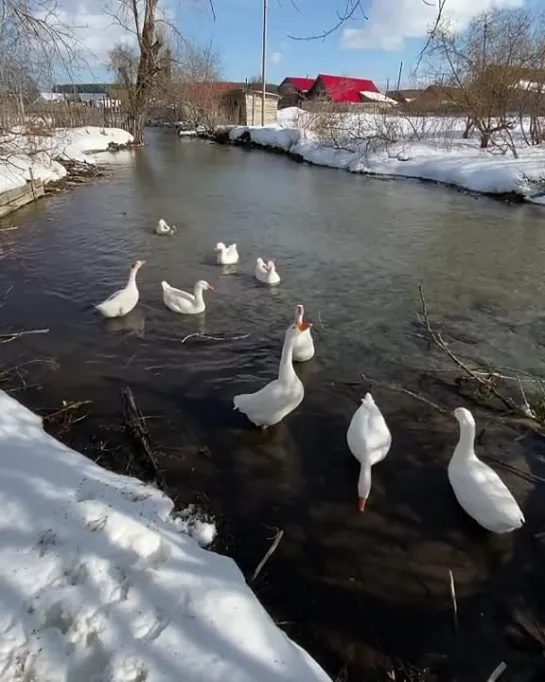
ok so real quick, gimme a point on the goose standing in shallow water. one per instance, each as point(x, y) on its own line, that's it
point(123, 301)
point(266, 272)
point(163, 227)
point(182, 301)
point(280, 397)
point(226, 255)
point(304, 345)
point(479, 490)
point(369, 440)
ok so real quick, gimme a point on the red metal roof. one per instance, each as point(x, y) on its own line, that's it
point(302, 84)
point(341, 89)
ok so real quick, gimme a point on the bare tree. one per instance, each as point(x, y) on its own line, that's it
point(194, 88)
point(138, 68)
point(484, 65)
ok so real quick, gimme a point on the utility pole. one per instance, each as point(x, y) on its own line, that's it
point(264, 61)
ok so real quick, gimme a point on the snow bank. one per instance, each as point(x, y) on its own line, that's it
point(19, 155)
point(437, 152)
point(269, 136)
point(98, 583)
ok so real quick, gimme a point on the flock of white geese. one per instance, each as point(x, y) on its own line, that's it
point(477, 487)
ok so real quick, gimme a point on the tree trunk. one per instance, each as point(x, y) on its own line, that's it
point(468, 130)
point(485, 139)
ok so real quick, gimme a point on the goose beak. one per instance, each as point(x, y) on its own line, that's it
point(303, 326)
point(362, 501)
point(210, 287)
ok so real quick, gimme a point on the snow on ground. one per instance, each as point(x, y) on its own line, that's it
point(430, 149)
point(98, 583)
point(20, 154)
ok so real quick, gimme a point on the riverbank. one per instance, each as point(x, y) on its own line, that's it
point(431, 149)
point(53, 155)
point(99, 579)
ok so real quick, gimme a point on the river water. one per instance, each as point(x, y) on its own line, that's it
point(363, 592)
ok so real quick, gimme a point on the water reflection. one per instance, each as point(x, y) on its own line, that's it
point(134, 322)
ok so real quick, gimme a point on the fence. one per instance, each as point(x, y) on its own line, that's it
point(20, 196)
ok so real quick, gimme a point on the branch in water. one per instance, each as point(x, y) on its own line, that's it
point(206, 337)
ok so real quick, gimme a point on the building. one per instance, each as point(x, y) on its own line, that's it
point(244, 106)
point(404, 96)
point(90, 94)
point(293, 91)
point(341, 90)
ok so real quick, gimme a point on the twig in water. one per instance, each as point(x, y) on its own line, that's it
point(267, 556)
point(7, 229)
point(497, 672)
point(454, 602)
point(401, 389)
point(135, 421)
point(321, 321)
point(67, 407)
point(438, 340)
point(15, 335)
point(206, 337)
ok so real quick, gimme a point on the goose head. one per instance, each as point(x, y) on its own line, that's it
point(271, 267)
point(203, 285)
point(137, 265)
point(464, 417)
point(299, 313)
point(220, 246)
point(260, 262)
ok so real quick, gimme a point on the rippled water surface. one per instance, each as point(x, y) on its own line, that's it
point(358, 590)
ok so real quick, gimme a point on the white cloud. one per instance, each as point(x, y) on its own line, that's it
point(276, 57)
point(391, 22)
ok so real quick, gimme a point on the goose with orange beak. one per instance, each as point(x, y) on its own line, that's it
point(369, 440)
point(280, 397)
point(304, 345)
point(182, 301)
point(123, 301)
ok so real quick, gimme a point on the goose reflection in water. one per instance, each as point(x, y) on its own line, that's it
point(134, 323)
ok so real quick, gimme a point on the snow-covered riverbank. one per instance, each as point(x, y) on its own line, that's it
point(100, 583)
point(40, 156)
point(428, 149)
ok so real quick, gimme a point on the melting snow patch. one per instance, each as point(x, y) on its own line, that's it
point(98, 584)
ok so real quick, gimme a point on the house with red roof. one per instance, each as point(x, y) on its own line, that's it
point(293, 90)
point(343, 90)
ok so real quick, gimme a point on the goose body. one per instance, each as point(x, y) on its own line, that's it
point(123, 301)
point(304, 345)
point(479, 490)
point(278, 398)
point(266, 272)
point(163, 227)
point(369, 440)
point(226, 255)
point(182, 301)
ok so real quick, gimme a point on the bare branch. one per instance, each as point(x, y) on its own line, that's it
point(350, 9)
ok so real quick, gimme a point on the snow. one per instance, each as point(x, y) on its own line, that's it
point(428, 149)
point(378, 97)
point(98, 583)
point(43, 153)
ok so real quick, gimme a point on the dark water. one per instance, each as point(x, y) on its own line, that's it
point(364, 593)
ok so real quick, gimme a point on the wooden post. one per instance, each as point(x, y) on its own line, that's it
point(32, 182)
point(264, 62)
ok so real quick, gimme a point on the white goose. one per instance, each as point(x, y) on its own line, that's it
point(479, 490)
point(266, 272)
point(226, 255)
point(183, 302)
point(123, 301)
point(369, 440)
point(280, 397)
point(163, 227)
point(304, 345)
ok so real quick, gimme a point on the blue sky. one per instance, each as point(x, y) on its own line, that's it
point(394, 31)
